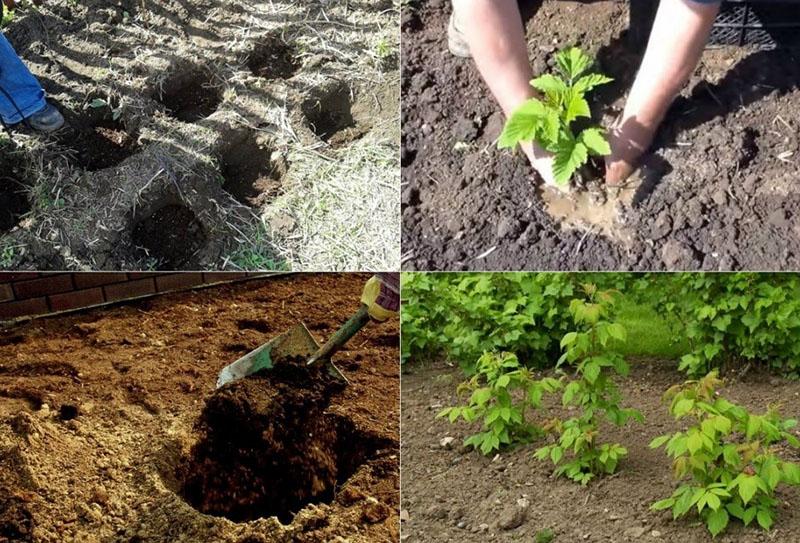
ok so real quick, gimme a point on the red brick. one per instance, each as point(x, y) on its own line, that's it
point(218, 277)
point(31, 306)
point(17, 276)
point(43, 286)
point(77, 299)
point(130, 289)
point(177, 281)
point(6, 293)
point(98, 279)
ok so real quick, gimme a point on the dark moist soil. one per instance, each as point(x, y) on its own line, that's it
point(273, 59)
point(717, 191)
point(172, 235)
point(13, 202)
point(268, 448)
point(329, 113)
point(192, 101)
point(97, 142)
point(249, 174)
point(449, 492)
point(100, 410)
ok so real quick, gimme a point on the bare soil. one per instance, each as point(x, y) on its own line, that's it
point(111, 429)
point(717, 190)
point(449, 492)
point(155, 95)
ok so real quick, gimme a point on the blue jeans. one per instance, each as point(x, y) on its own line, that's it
point(18, 82)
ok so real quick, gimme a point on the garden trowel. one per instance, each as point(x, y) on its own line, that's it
point(297, 342)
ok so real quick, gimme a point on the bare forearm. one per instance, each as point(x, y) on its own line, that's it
point(496, 37)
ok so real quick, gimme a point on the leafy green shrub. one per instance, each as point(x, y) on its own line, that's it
point(732, 319)
point(548, 122)
point(727, 460)
point(501, 391)
point(578, 454)
point(467, 314)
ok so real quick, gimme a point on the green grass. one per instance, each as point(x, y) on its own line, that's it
point(649, 334)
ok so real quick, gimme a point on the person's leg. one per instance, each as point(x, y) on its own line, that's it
point(17, 84)
point(493, 29)
point(679, 35)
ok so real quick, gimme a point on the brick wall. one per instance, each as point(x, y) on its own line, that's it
point(32, 293)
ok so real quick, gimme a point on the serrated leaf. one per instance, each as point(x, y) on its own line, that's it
point(523, 124)
point(555, 454)
point(576, 106)
point(569, 157)
point(591, 371)
point(659, 441)
point(596, 143)
point(717, 521)
point(663, 504)
point(553, 87)
point(590, 81)
point(747, 488)
point(572, 62)
point(764, 519)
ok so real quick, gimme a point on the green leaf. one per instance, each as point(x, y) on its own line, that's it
point(590, 81)
point(596, 143)
point(98, 102)
point(682, 407)
point(747, 488)
point(553, 87)
point(570, 155)
point(523, 124)
point(615, 330)
point(659, 441)
point(568, 339)
point(572, 62)
point(503, 381)
point(576, 106)
point(735, 509)
point(591, 371)
point(764, 519)
point(663, 504)
point(555, 454)
point(791, 473)
point(695, 442)
point(717, 521)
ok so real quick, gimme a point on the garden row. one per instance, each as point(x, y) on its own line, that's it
point(728, 460)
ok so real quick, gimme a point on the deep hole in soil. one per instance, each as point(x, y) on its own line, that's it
point(253, 324)
point(172, 235)
point(329, 111)
point(193, 100)
point(68, 411)
point(268, 448)
point(13, 202)
point(273, 59)
point(249, 174)
point(101, 144)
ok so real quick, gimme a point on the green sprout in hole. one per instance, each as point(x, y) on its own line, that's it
point(548, 122)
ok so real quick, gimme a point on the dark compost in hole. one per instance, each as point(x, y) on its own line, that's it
point(13, 202)
point(192, 100)
point(329, 111)
point(273, 59)
point(249, 174)
point(268, 448)
point(101, 144)
point(172, 235)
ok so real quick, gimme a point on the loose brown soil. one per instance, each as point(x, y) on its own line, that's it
point(716, 192)
point(450, 492)
point(111, 430)
point(153, 94)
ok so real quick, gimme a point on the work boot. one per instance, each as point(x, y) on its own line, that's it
point(47, 119)
point(456, 42)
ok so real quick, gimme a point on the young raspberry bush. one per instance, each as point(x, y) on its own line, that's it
point(578, 453)
point(500, 393)
point(548, 122)
point(727, 460)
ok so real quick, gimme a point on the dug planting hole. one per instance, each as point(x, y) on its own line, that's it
point(13, 203)
point(269, 448)
point(249, 173)
point(172, 236)
point(191, 98)
point(329, 112)
point(273, 59)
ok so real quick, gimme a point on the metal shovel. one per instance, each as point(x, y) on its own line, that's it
point(297, 342)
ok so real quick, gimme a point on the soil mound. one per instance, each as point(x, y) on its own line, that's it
point(267, 447)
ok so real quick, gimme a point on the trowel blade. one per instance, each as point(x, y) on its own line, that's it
point(295, 342)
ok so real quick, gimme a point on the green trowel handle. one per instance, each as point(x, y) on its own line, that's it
point(341, 336)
